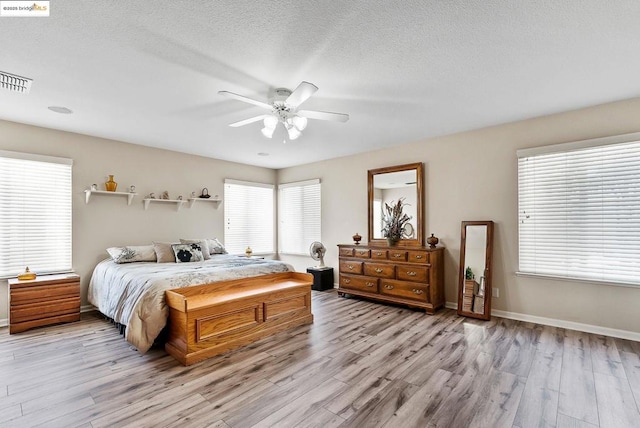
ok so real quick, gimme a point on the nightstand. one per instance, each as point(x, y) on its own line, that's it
point(322, 278)
point(46, 300)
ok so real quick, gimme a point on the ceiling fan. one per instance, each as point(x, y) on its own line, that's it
point(284, 109)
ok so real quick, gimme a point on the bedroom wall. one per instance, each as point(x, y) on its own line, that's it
point(473, 176)
point(108, 221)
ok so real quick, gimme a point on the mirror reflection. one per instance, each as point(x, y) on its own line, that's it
point(388, 188)
point(474, 297)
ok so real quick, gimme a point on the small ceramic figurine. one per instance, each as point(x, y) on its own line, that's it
point(180, 197)
point(94, 187)
point(193, 194)
point(248, 251)
point(165, 195)
point(132, 189)
point(151, 196)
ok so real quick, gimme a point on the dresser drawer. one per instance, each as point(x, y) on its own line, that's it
point(398, 255)
point(418, 256)
point(407, 290)
point(362, 283)
point(412, 273)
point(44, 293)
point(382, 270)
point(364, 253)
point(350, 266)
point(346, 252)
point(378, 254)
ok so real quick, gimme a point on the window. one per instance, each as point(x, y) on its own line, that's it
point(579, 210)
point(35, 214)
point(299, 216)
point(248, 216)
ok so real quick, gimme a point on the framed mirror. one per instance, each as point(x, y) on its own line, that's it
point(390, 184)
point(474, 285)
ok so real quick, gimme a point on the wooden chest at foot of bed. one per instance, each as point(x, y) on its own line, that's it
point(207, 320)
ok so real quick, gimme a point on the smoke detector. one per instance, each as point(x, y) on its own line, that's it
point(15, 83)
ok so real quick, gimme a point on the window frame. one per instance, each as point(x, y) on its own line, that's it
point(282, 227)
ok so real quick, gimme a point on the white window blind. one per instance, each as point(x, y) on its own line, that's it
point(579, 210)
point(248, 216)
point(299, 216)
point(35, 214)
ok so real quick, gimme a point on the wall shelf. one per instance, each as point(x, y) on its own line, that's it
point(88, 193)
point(178, 202)
point(193, 201)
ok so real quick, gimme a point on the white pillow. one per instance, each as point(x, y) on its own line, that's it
point(130, 254)
point(215, 246)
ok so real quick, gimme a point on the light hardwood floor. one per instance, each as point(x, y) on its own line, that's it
point(361, 364)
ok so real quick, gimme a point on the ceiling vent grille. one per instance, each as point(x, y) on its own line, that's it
point(15, 83)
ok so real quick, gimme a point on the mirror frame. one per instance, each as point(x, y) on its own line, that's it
point(486, 315)
point(419, 226)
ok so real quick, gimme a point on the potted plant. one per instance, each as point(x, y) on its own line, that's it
point(394, 221)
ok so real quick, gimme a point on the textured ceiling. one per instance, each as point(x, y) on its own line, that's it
point(148, 72)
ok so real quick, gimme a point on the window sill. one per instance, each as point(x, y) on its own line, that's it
point(572, 279)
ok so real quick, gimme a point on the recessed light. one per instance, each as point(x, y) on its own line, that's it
point(58, 109)
point(263, 154)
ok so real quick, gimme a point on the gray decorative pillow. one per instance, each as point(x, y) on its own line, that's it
point(131, 254)
point(216, 247)
point(204, 247)
point(186, 253)
point(164, 252)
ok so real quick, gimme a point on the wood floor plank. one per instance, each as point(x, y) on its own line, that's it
point(359, 364)
point(616, 405)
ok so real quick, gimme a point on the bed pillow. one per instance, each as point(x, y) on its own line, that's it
point(215, 246)
point(186, 253)
point(204, 247)
point(131, 254)
point(164, 252)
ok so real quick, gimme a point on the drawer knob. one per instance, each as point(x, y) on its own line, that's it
point(350, 267)
point(378, 270)
point(388, 287)
point(411, 273)
point(346, 281)
point(397, 255)
point(378, 253)
point(418, 292)
point(418, 257)
point(369, 284)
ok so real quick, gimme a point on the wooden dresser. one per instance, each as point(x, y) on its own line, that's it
point(48, 299)
point(409, 275)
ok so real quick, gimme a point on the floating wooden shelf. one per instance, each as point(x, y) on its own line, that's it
point(178, 202)
point(193, 201)
point(88, 193)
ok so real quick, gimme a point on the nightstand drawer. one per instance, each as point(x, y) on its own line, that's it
point(37, 311)
point(44, 293)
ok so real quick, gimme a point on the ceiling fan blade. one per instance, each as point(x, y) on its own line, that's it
point(245, 99)
point(324, 115)
point(247, 121)
point(301, 94)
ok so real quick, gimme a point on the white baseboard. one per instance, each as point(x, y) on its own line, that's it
point(4, 322)
point(570, 325)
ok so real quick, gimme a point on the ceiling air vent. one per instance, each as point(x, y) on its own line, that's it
point(15, 83)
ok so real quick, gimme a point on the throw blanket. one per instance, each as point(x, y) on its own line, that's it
point(133, 293)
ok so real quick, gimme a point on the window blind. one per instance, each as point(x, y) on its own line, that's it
point(249, 217)
point(579, 210)
point(298, 216)
point(35, 214)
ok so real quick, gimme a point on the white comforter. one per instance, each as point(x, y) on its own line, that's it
point(133, 293)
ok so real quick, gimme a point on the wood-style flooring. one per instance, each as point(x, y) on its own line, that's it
point(361, 364)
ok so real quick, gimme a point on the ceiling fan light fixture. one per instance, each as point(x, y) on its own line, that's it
point(294, 133)
point(300, 122)
point(268, 132)
point(270, 122)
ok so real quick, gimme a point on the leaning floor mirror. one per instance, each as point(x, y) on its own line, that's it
point(474, 286)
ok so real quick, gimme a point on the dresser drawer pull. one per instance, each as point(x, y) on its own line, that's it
point(418, 257)
point(378, 270)
point(346, 281)
point(397, 255)
point(379, 253)
point(418, 292)
point(411, 273)
point(350, 267)
point(362, 253)
point(388, 287)
point(370, 284)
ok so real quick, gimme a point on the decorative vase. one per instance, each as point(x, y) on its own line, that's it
point(248, 251)
point(432, 241)
point(391, 241)
point(357, 238)
point(110, 185)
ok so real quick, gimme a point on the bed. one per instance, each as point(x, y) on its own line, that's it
point(133, 294)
